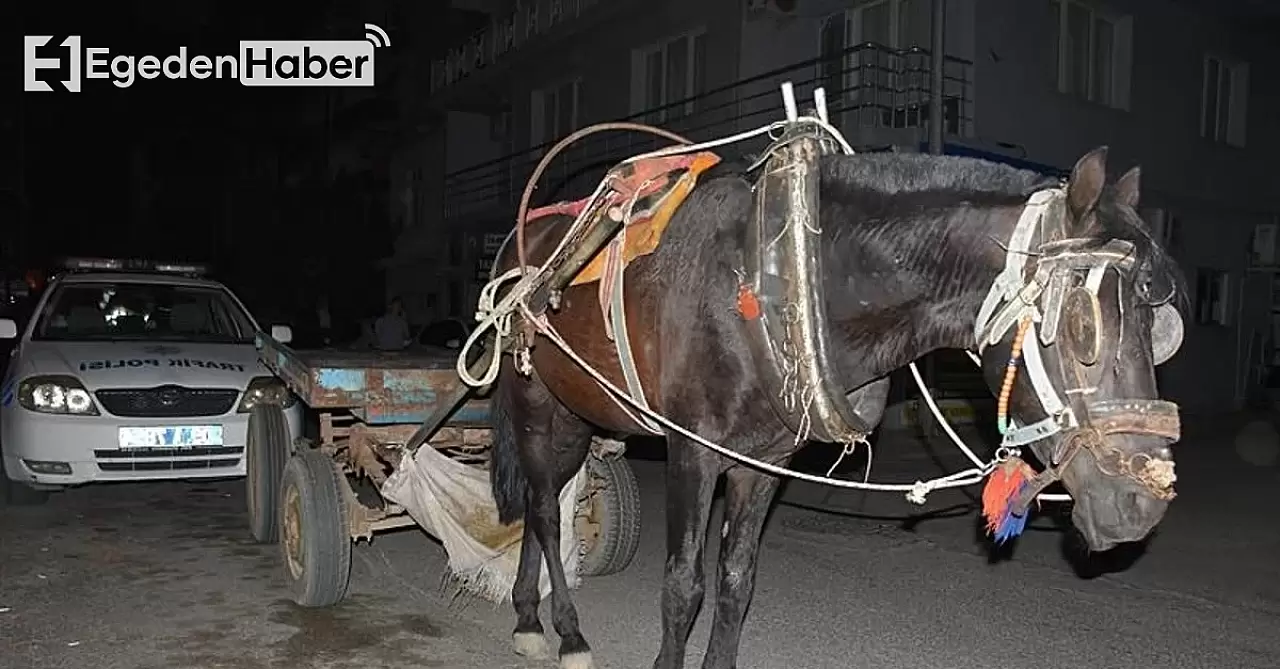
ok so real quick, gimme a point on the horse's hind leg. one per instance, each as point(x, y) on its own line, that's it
point(552, 447)
point(528, 639)
point(748, 493)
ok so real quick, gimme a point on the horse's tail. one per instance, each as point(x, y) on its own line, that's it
point(510, 487)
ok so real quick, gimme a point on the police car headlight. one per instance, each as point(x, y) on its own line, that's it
point(266, 390)
point(56, 394)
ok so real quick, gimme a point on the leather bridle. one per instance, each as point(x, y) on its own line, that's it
point(1050, 293)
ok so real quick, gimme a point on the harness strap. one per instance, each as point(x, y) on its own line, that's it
point(613, 311)
point(1019, 298)
point(610, 275)
point(1058, 415)
point(1094, 279)
point(622, 343)
point(1049, 399)
point(1010, 281)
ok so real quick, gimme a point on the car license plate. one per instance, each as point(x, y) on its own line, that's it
point(171, 437)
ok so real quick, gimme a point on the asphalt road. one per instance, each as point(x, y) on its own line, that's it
point(163, 575)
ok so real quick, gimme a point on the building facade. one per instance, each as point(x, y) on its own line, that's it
point(1180, 89)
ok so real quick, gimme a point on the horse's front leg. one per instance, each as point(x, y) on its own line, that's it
point(691, 483)
point(748, 493)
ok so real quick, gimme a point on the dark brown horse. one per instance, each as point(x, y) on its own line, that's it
point(910, 246)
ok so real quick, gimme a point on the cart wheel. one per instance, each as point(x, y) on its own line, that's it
point(266, 449)
point(314, 540)
point(608, 520)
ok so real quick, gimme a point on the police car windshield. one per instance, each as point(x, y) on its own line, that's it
point(142, 311)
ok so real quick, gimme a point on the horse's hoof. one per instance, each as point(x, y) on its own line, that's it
point(576, 661)
point(531, 645)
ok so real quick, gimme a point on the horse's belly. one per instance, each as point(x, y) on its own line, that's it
point(580, 322)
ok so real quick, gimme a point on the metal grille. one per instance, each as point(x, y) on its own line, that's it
point(168, 459)
point(167, 401)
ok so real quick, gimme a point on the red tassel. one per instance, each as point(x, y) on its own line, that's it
point(748, 305)
point(1002, 486)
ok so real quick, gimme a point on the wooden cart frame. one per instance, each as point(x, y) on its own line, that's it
point(371, 406)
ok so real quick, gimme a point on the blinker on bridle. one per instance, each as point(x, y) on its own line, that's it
point(1069, 314)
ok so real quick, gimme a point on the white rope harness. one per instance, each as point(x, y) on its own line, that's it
point(497, 315)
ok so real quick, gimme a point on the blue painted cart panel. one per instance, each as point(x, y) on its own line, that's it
point(381, 387)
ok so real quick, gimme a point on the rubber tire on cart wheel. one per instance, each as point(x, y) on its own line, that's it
point(14, 493)
point(266, 450)
point(614, 510)
point(315, 544)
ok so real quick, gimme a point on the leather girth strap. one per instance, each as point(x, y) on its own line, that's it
point(612, 283)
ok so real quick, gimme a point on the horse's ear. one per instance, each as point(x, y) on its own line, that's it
point(1127, 187)
point(1087, 179)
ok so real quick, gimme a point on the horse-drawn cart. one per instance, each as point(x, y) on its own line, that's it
point(376, 411)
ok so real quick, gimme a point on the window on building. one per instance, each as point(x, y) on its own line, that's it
point(1225, 101)
point(892, 24)
point(1263, 244)
point(1212, 291)
point(666, 73)
point(553, 111)
point(864, 64)
point(1094, 52)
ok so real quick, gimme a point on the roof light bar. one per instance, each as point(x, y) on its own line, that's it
point(92, 263)
point(134, 265)
point(179, 268)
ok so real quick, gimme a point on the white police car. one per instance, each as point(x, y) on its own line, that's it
point(131, 371)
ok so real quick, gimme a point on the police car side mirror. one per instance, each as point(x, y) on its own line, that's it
point(8, 328)
point(282, 333)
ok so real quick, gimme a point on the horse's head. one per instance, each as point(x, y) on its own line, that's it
point(1105, 304)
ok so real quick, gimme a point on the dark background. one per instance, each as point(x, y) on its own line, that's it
point(204, 170)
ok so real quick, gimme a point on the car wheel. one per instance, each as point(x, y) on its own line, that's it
point(17, 493)
point(266, 450)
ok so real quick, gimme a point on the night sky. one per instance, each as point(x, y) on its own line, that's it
point(195, 170)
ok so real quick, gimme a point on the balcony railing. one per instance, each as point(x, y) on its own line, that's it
point(874, 94)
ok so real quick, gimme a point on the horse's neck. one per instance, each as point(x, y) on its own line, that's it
point(899, 289)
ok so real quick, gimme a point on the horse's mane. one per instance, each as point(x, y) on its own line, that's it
point(1164, 271)
point(880, 180)
point(894, 174)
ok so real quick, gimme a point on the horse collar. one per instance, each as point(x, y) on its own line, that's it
point(781, 298)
